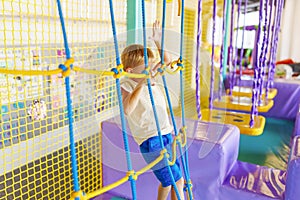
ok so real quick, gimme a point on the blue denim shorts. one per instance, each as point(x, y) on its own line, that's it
point(151, 150)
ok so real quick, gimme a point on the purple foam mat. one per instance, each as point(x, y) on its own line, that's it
point(297, 125)
point(215, 172)
point(257, 179)
point(108, 196)
point(293, 171)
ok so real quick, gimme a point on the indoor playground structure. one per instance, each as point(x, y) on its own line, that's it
point(63, 130)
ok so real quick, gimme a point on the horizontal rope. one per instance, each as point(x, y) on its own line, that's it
point(144, 169)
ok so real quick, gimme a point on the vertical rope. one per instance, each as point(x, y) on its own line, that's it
point(122, 115)
point(267, 43)
point(69, 104)
point(125, 138)
point(233, 78)
point(184, 157)
point(222, 50)
point(225, 58)
point(118, 61)
point(198, 51)
point(149, 85)
point(270, 73)
point(148, 79)
point(212, 76)
point(181, 71)
point(242, 48)
point(163, 33)
point(262, 58)
point(256, 70)
point(276, 41)
point(144, 36)
point(231, 48)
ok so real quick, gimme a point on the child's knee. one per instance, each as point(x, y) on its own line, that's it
point(180, 182)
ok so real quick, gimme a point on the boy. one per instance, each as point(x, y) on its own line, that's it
point(139, 113)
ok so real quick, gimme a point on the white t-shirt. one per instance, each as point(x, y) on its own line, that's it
point(142, 121)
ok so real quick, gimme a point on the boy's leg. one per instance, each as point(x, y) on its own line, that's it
point(179, 185)
point(163, 192)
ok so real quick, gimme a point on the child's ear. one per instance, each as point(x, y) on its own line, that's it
point(128, 69)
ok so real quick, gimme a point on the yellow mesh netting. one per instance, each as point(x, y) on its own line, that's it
point(34, 133)
point(34, 139)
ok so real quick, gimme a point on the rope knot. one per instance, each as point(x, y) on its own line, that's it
point(178, 63)
point(183, 134)
point(160, 70)
point(146, 71)
point(187, 185)
point(66, 67)
point(79, 194)
point(131, 175)
point(164, 152)
point(178, 138)
point(183, 130)
point(118, 71)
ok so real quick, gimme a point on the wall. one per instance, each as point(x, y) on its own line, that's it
point(289, 40)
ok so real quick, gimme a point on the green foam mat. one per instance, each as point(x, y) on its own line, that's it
point(270, 149)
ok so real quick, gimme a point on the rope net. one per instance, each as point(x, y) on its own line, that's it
point(34, 134)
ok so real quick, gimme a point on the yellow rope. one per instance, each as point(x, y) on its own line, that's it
point(183, 131)
point(95, 72)
point(174, 71)
point(144, 169)
point(79, 194)
point(40, 72)
point(31, 72)
point(120, 71)
point(67, 64)
point(132, 174)
point(189, 182)
point(172, 162)
point(149, 166)
point(179, 8)
point(125, 179)
point(79, 69)
point(107, 188)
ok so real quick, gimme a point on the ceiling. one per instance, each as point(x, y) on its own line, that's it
point(252, 5)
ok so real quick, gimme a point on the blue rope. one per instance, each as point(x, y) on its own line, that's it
point(121, 108)
point(147, 73)
point(69, 104)
point(181, 30)
point(112, 16)
point(186, 157)
point(150, 89)
point(169, 103)
point(144, 36)
point(163, 33)
point(125, 138)
point(174, 125)
point(62, 22)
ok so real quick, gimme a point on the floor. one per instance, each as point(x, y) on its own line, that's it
point(271, 148)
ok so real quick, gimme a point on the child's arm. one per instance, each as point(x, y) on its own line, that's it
point(157, 39)
point(130, 100)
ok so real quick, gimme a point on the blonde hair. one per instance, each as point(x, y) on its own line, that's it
point(133, 55)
